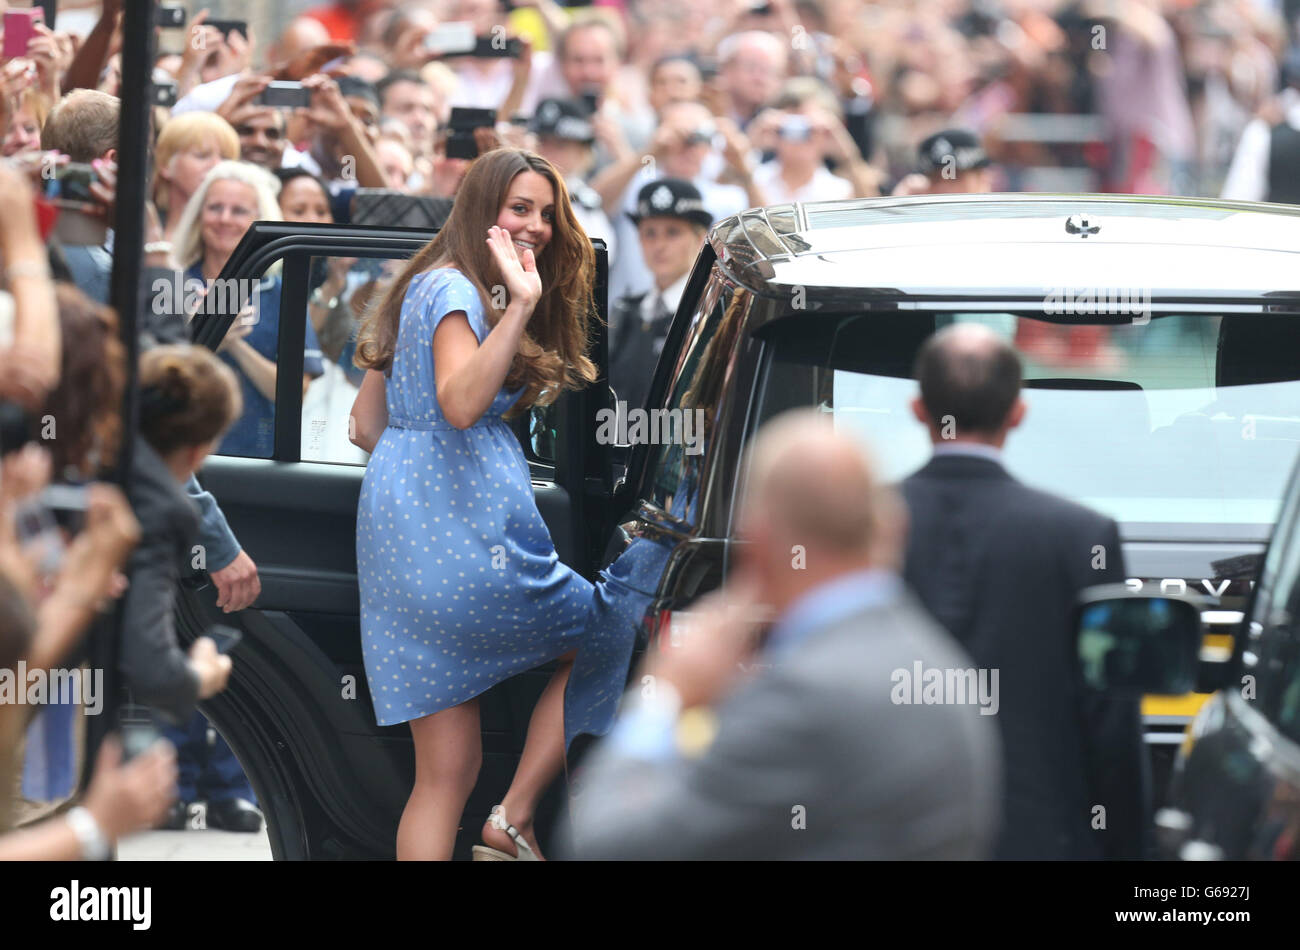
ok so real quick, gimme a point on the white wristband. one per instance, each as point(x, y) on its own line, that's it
point(94, 846)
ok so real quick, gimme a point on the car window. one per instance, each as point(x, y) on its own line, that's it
point(679, 433)
point(250, 348)
point(340, 290)
point(1183, 420)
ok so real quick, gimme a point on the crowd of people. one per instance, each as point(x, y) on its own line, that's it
point(659, 119)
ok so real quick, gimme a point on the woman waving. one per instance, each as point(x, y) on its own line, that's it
point(461, 586)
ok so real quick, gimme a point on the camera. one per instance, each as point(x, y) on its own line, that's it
point(490, 47)
point(67, 503)
point(163, 93)
point(71, 182)
point(460, 130)
point(458, 39)
point(285, 95)
point(795, 128)
point(137, 730)
point(701, 135)
point(229, 26)
point(170, 16)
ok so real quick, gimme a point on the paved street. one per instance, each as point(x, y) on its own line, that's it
point(196, 844)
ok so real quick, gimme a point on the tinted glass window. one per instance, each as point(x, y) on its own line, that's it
point(1188, 419)
point(679, 430)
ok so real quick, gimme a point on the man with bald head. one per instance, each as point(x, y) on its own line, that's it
point(798, 740)
point(1000, 565)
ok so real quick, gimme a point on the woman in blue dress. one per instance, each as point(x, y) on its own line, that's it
point(460, 583)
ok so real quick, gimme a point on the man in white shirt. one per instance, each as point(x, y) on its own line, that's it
point(797, 173)
point(671, 222)
point(682, 145)
point(1266, 165)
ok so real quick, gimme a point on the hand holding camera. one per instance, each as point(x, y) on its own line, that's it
point(243, 102)
point(320, 99)
point(52, 55)
point(125, 797)
point(458, 39)
point(102, 546)
point(736, 147)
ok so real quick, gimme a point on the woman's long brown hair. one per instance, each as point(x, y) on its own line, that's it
point(552, 353)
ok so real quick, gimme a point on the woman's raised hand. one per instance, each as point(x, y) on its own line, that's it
point(518, 271)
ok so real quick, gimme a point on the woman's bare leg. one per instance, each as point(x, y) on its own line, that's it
point(541, 761)
point(448, 753)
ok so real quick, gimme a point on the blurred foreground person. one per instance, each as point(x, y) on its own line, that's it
point(812, 751)
point(188, 398)
point(1000, 565)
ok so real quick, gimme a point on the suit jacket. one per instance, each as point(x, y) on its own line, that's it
point(634, 349)
point(815, 740)
point(1000, 565)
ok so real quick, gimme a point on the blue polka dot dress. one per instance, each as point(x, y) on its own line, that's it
point(461, 587)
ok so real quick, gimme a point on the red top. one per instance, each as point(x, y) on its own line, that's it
point(342, 20)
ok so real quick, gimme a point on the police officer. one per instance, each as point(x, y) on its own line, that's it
point(566, 139)
point(671, 224)
point(949, 162)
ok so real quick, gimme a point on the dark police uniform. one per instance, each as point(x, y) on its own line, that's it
point(637, 339)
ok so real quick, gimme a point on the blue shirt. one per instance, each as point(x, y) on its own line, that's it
point(253, 434)
point(647, 730)
point(832, 602)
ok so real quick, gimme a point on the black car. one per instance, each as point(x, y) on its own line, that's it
point(1159, 339)
point(1235, 792)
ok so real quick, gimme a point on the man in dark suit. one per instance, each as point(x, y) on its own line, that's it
point(821, 747)
point(1000, 565)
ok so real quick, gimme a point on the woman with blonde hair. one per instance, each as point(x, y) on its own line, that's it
point(229, 199)
point(188, 146)
point(24, 117)
point(461, 586)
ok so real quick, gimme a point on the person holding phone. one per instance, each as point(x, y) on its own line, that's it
point(461, 587)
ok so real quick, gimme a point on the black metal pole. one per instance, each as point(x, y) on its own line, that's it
point(133, 147)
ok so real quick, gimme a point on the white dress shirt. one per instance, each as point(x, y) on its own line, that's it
point(978, 449)
point(672, 296)
point(823, 186)
point(1247, 178)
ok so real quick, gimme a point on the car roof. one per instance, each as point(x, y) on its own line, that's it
point(1015, 247)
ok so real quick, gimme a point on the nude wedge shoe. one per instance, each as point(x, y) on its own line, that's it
point(482, 852)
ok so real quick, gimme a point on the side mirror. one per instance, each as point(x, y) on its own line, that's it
point(1136, 642)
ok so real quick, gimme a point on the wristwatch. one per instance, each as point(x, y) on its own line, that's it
point(94, 846)
point(317, 299)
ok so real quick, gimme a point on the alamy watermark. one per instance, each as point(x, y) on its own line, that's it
point(1092, 301)
point(623, 426)
point(933, 686)
point(179, 294)
point(36, 687)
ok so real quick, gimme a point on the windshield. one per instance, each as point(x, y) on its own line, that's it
point(1191, 419)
